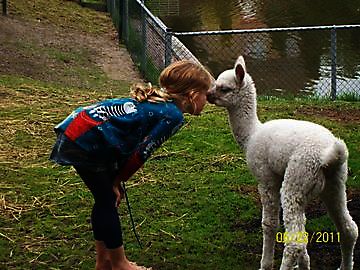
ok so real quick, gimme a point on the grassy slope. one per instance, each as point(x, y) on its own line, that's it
point(195, 200)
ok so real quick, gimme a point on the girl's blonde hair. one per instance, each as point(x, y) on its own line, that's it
point(181, 79)
point(142, 92)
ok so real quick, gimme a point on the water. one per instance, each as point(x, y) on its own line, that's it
point(292, 61)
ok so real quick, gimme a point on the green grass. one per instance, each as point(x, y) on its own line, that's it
point(193, 198)
point(66, 14)
point(94, 1)
point(351, 96)
point(195, 202)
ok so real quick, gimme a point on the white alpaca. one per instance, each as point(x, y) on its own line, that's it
point(294, 161)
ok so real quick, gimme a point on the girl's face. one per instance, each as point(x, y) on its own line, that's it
point(199, 102)
point(193, 106)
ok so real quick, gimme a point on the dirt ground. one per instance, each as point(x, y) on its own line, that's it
point(20, 54)
point(341, 115)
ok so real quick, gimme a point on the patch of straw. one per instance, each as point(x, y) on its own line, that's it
point(11, 209)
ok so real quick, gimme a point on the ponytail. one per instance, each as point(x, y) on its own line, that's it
point(147, 92)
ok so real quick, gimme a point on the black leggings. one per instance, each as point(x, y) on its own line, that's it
point(104, 217)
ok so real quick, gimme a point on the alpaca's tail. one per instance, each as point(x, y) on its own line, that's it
point(335, 155)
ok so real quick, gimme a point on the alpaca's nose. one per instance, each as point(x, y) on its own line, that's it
point(210, 96)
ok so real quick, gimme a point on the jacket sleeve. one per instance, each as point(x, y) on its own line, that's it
point(163, 130)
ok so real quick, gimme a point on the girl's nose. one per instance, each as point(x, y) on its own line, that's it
point(211, 89)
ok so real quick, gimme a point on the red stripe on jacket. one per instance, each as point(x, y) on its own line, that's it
point(131, 166)
point(80, 125)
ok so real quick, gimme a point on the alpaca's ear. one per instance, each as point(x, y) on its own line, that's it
point(240, 72)
point(240, 68)
point(241, 61)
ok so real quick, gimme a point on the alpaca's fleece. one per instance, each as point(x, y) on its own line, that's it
point(294, 162)
point(276, 142)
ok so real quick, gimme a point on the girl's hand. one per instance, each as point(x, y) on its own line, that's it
point(119, 194)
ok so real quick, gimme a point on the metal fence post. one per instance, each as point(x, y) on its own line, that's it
point(144, 39)
point(4, 8)
point(125, 22)
point(120, 23)
point(168, 46)
point(333, 63)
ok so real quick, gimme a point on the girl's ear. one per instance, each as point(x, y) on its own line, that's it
point(187, 106)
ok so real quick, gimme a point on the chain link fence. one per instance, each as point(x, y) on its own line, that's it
point(294, 61)
point(319, 61)
point(150, 43)
point(4, 7)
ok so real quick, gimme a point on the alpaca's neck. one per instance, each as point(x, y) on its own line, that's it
point(243, 117)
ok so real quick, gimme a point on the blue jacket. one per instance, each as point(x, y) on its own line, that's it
point(117, 131)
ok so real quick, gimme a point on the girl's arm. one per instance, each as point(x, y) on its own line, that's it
point(159, 134)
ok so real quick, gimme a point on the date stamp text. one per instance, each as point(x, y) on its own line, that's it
point(305, 237)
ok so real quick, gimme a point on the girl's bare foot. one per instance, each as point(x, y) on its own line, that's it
point(138, 267)
point(114, 259)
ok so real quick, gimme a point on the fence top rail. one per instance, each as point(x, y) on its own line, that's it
point(149, 13)
point(261, 30)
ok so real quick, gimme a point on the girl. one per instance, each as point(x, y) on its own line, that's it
point(109, 141)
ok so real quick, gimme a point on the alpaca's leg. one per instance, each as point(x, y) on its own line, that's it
point(302, 182)
point(295, 252)
point(270, 199)
point(334, 197)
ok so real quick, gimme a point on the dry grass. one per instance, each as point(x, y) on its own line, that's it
point(193, 203)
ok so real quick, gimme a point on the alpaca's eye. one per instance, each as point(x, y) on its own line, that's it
point(225, 89)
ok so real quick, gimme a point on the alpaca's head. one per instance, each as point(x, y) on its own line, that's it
point(228, 87)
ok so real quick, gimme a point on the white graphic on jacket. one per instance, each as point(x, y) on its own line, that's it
point(105, 112)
